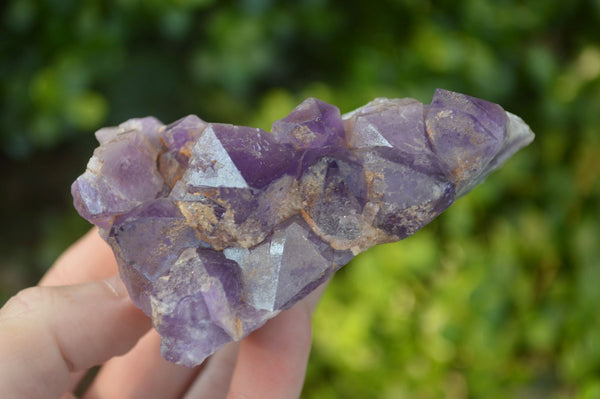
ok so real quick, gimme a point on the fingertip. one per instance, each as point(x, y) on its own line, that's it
point(272, 360)
point(116, 286)
point(89, 259)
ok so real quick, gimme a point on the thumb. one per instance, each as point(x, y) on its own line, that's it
point(48, 332)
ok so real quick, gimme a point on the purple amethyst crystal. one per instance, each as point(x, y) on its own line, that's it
point(216, 228)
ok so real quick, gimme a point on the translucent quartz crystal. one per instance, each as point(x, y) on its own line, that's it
point(217, 228)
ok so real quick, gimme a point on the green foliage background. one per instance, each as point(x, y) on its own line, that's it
point(497, 298)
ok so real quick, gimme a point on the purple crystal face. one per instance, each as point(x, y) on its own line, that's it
point(217, 228)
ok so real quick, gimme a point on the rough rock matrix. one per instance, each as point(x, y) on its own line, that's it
point(216, 228)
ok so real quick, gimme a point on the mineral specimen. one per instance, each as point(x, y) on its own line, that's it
point(216, 228)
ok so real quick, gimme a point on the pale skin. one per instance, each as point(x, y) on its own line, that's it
point(80, 316)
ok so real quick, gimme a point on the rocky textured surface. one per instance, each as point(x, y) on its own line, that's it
point(216, 228)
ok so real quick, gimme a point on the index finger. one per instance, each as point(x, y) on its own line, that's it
point(88, 259)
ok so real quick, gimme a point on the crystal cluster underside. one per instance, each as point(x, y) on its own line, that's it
point(216, 227)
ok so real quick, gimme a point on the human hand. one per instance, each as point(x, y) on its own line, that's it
point(79, 317)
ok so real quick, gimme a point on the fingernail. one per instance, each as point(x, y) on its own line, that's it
point(116, 286)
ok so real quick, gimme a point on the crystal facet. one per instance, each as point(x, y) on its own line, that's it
point(217, 228)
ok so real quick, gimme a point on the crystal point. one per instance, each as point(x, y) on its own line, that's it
point(217, 228)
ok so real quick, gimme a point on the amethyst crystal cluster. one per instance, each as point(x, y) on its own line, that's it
point(216, 228)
